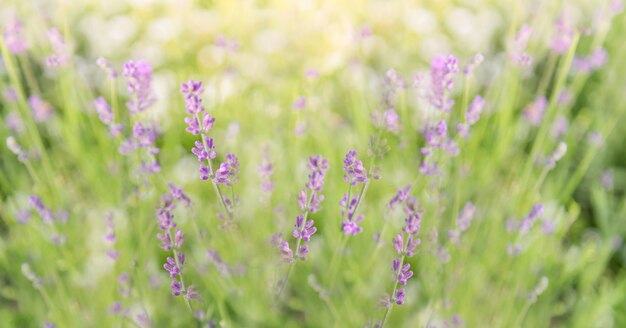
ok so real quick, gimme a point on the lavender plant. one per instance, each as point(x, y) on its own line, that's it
point(503, 119)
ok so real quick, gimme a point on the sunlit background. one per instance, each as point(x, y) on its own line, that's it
point(520, 195)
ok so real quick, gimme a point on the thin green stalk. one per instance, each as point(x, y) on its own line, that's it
point(28, 73)
point(551, 110)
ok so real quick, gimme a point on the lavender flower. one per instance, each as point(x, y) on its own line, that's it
point(226, 44)
point(109, 237)
point(405, 244)
point(14, 123)
point(178, 194)
point(533, 113)
point(463, 222)
point(299, 103)
point(387, 120)
point(16, 149)
point(400, 197)
point(304, 228)
point(216, 260)
point(44, 212)
point(473, 64)
point(559, 152)
point(591, 63)
point(227, 172)
point(527, 222)
point(355, 172)
point(312, 74)
point(559, 127)
point(350, 225)
point(562, 38)
point(144, 137)
point(14, 36)
point(518, 52)
point(139, 77)
point(474, 110)
point(106, 67)
point(60, 54)
point(200, 122)
point(107, 117)
point(173, 241)
point(462, 130)
point(23, 216)
point(442, 71)
point(42, 110)
point(436, 134)
point(104, 110)
point(265, 171)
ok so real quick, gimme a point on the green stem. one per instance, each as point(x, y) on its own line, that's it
point(551, 111)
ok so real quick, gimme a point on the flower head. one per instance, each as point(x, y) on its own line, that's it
point(562, 38)
point(355, 172)
point(139, 77)
point(14, 36)
point(442, 71)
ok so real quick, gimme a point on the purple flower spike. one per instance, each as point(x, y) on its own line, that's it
point(304, 228)
point(139, 77)
point(474, 110)
point(104, 110)
point(302, 200)
point(14, 37)
point(42, 111)
point(286, 253)
point(402, 270)
point(355, 172)
point(529, 220)
point(400, 197)
point(442, 71)
point(179, 238)
point(562, 38)
point(174, 264)
point(533, 113)
point(60, 54)
point(392, 120)
point(398, 244)
point(518, 51)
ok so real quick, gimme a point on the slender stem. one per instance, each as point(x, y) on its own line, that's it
point(551, 110)
point(520, 318)
point(28, 73)
point(393, 291)
point(545, 79)
point(333, 262)
point(218, 191)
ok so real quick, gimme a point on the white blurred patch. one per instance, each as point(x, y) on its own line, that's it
point(164, 29)
point(420, 21)
point(270, 41)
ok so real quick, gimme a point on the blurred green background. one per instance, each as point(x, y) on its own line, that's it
point(257, 59)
